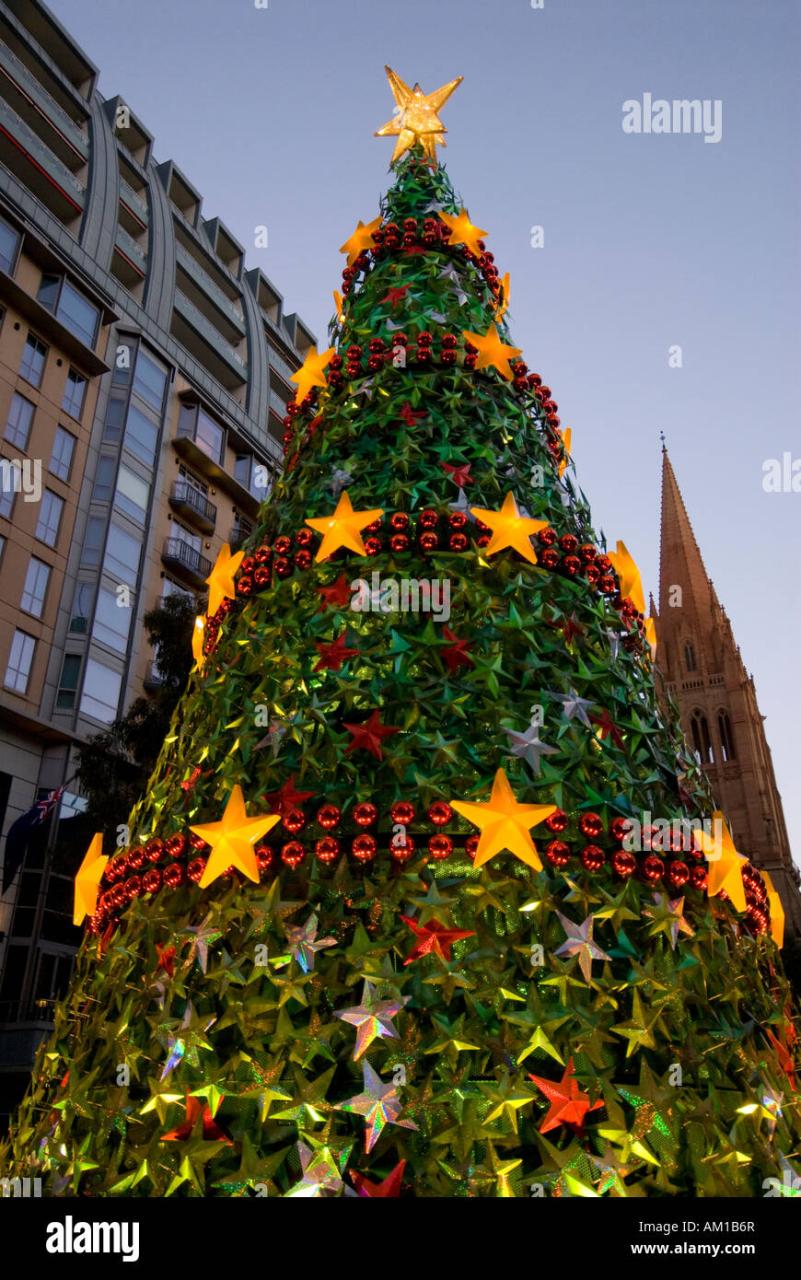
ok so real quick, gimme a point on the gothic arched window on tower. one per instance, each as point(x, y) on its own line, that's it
point(702, 742)
point(726, 736)
point(689, 655)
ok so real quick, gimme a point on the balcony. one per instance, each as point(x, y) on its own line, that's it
point(185, 560)
point(136, 203)
point(49, 180)
point(205, 342)
point(30, 87)
point(239, 535)
point(201, 279)
point(190, 503)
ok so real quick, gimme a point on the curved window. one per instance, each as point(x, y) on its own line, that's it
point(702, 743)
point(689, 656)
point(726, 736)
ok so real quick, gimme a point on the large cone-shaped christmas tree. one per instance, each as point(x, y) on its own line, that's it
point(425, 896)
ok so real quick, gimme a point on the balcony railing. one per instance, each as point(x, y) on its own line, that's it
point(182, 557)
point(238, 536)
point(186, 498)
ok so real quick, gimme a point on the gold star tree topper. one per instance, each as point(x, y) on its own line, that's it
point(505, 824)
point(232, 839)
point(87, 881)
point(416, 118)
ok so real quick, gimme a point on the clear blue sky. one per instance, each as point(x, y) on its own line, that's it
point(649, 240)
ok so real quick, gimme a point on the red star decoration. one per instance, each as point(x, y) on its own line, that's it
point(333, 655)
point(456, 655)
point(367, 736)
point(211, 1130)
point(608, 727)
point(568, 1104)
point(189, 783)
point(459, 473)
point(389, 1189)
point(166, 960)
point(786, 1061)
point(396, 295)
point(335, 595)
point(571, 628)
point(411, 416)
point(434, 939)
point(287, 797)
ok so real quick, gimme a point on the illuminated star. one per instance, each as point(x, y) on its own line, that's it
point(629, 576)
point(232, 839)
point(463, 231)
point(567, 441)
point(312, 372)
point(568, 1104)
point(339, 305)
point(505, 824)
point(580, 943)
point(221, 579)
point(724, 863)
point(492, 352)
point(416, 119)
point(304, 943)
point(87, 880)
point(502, 305)
point(776, 910)
point(361, 239)
point(198, 639)
point(372, 1019)
point(343, 528)
point(510, 529)
point(379, 1104)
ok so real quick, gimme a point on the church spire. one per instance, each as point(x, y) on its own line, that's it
point(684, 584)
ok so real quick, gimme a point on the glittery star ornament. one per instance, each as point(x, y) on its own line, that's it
point(342, 528)
point(321, 1175)
point(372, 1018)
point(388, 1189)
point(379, 1104)
point(579, 942)
point(221, 579)
point(416, 119)
point(232, 839)
point(87, 879)
point(504, 824)
point(510, 529)
point(529, 747)
point(568, 1104)
point(304, 943)
point(433, 939)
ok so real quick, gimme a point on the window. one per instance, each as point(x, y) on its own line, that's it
point(689, 657)
point(34, 357)
point(68, 684)
point(206, 433)
point(132, 495)
point(101, 692)
point(182, 534)
point(112, 621)
point(81, 607)
point(115, 417)
point(141, 436)
point(172, 588)
point(122, 554)
point(49, 518)
point(150, 381)
point(63, 451)
point(702, 743)
point(193, 481)
point(74, 311)
point(35, 589)
point(74, 394)
point(19, 662)
point(7, 495)
point(93, 541)
point(103, 486)
point(726, 736)
point(9, 243)
point(20, 417)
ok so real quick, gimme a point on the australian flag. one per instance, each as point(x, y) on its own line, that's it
point(21, 831)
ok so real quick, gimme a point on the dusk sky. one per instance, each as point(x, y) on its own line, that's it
point(649, 240)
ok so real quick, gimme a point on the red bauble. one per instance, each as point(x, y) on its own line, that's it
point(292, 854)
point(265, 856)
point(264, 553)
point(326, 850)
point(624, 864)
point(372, 546)
point(399, 521)
point(151, 880)
point(363, 848)
point(328, 817)
point(557, 822)
point(132, 887)
point(401, 848)
point(174, 875)
point(428, 542)
point(591, 825)
point(399, 542)
point(440, 847)
point(591, 574)
point(457, 520)
point(303, 560)
point(294, 820)
point(548, 559)
point(137, 858)
point(428, 518)
point(402, 812)
point(557, 853)
point(365, 814)
point(197, 843)
point(175, 846)
point(653, 868)
point(619, 828)
point(698, 877)
point(569, 543)
point(457, 542)
point(546, 537)
point(607, 584)
point(571, 566)
point(471, 846)
point(283, 567)
point(196, 868)
point(283, 545)
point(440, 813)
point(678, 873)
point(592, 857)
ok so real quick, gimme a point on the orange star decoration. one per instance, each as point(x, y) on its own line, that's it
point(221, 579)
point(339, 304)
point(505, 824)
point(463, 231)
point(503, 302)
point(629, 575)
point(510, 529)
point(361, 239)
point(776, 910)
point(343, 528)
point(568, 1104)
point(312, 372)
point(725, 864)
point(87, 880)
point(567, 445)
point(416, 117)
point(198, 638)
point(492, 353)
point(232, 839)
point(650, 634)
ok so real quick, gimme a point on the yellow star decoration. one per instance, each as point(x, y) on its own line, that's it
point(221, 579)
point(629, 575)
point(503, 302)
point(416, 117)
point(361, 239)
point(567, 444)
point(492, 353)
point(343, 528)
point(312, 372)
point(724, 862)
point(339, 304)
point(232, 839)
point(650, 634)
point(510, 529)
point(776, 910)
point(505, 824)
point(87, 880)
point(198, 637)
point(463, 231)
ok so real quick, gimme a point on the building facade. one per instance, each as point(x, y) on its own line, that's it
point(144, 373)
point(702, 668)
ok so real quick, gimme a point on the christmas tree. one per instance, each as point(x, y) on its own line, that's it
point(426, 896)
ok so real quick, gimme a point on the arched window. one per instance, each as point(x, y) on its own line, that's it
point(689, 656)
point(702, 743)
point(726, 735)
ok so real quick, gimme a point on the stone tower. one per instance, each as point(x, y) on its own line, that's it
point(701, 665)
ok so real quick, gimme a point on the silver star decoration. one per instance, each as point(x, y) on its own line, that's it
point(202, 935)
point(392, 325)
point(670, 909)
point(528, 746)
point(339, 481)
point(304, 943)
point(450, 273)
point(366, 389)
point(379, 1104)
point(372, 1018)
point(573, 706)
point(437, 317)
point(320, 1177)
point(579, 943)
point(462, 504)
point(614, 643)
point(272, 738)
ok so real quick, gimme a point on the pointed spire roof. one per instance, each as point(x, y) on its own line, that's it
point(680, 561)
